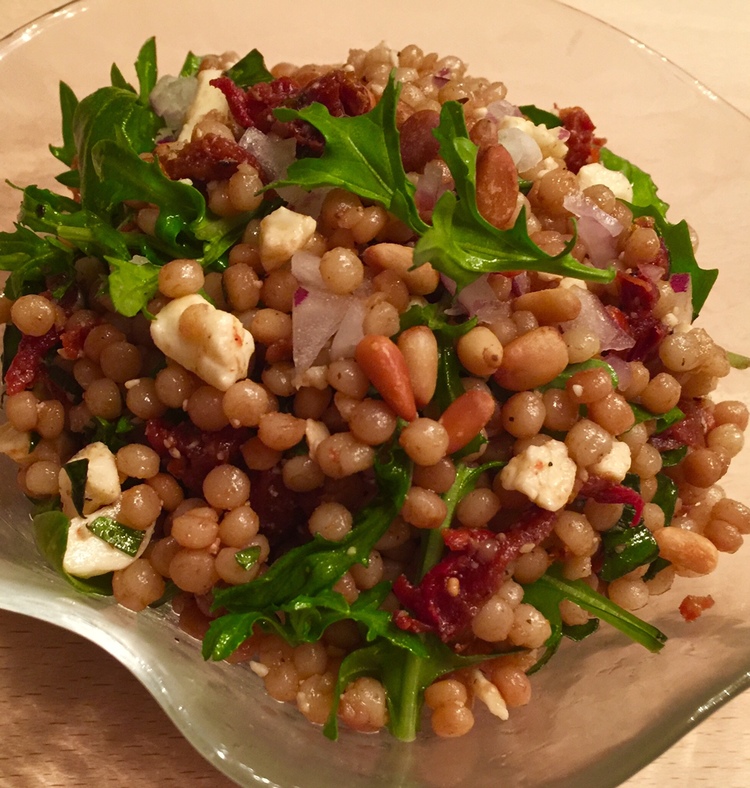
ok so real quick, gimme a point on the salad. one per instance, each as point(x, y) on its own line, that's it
point(384, 384)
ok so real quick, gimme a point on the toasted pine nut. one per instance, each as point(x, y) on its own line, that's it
point(550, 306)
point(398, 258)
point(532, 359)
point(419, 348)
point(480, 351)
point(384, 364)
point(465, 416)
point(497, 186)
point(687, 550)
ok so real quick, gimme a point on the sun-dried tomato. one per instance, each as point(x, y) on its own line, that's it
point(452, 592)
point(210, 158)
point(690, 431)
point(692, 606)
point(254, 107)
point(190, 452)
point(583, 146)
point(606, 491)
point(638, 296)
point(28, 363)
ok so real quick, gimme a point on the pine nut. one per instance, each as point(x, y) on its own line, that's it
point(466, 416)
point(687, 550)
point(480, 351)
point(419, 348)
point(497, 186)
point(550, 306)
point(385, 367)
point(533, 359)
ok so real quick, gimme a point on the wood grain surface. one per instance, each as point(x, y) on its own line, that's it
point(70, 715)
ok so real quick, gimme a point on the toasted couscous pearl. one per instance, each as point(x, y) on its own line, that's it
point(33, 315)
point(180, 278)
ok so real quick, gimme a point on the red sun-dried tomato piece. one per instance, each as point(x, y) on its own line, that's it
point(28, 363)
point(452, 592)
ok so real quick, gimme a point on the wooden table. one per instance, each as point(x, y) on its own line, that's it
point(61, 697)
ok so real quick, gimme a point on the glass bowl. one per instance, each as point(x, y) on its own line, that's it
point(602, 709)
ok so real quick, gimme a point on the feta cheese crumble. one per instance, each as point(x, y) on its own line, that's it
point(544, 474)
point(207, 341)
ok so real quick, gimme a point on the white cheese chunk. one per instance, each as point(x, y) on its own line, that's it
point(282, 233)
point(489, 694)
point(544, 474)
point(14, 443)
point(87, 555)
point(208, 341)
point(102, 480)
point(598, 175)
point(548, 140)
point(207, 99)
point(615, 464)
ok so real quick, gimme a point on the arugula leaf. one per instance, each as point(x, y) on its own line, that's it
point(305, 619)
point(593, 363)
point(663, 420)
point(250, 70)
point(625, 549)
point(11, 339)
point(462, 243)
point(644, 188)
point(646, 202)
point(51, 537)
point(128, 540)
point(362, 155)
point(248, 557)
point(110, 113)
point(132, 284)
point(146, 70)
point(117, 79)
point(190, 65)
point(666, 496)
point(77, 472)
point(737, 360)
point(68, 103)
point(464, 483)
point(404, 677)
point(584, 596)
point(540, 117)
point(110, 432)
point(673, 457)
point(316, 565)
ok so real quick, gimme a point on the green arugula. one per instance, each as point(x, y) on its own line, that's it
point(110, 433)
point(250, 70)
point(676, 237)
point(190, 65)
point(51, 537)
point(404, 677)
point(593, 363)
point(540, 117)
point(626, 548)
point(663, 420)
point(314, 567)
point(132, 284)
point(461, 243)
point(549, 590)
point(737, 360)
point(361, 154)
point(127, 540)
point(248, 557)
point(68, 102)
point(77, 471)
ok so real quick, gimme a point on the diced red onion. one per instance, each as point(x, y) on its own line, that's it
point(520, 284)
point(523, 149)
point(171, 98)
point(431, 185)
point(497, 110)
point(680, 282)
point(272, 153)
point(563, 134)
point(622, 370)
point(595, 318)
point(300, 294)
point(314, 321)
point(350, 330)
point(596, 228)
point(480, 301)
point(306, 270)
